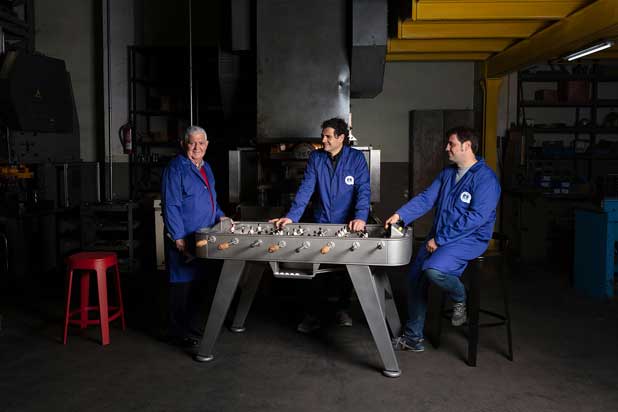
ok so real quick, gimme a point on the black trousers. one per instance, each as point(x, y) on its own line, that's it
point(324, 286)
point(180, 309)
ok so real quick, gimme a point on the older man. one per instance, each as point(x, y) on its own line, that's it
point(189, 203)
point(465, 196)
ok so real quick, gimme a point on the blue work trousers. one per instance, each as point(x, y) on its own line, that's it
point(418, 285)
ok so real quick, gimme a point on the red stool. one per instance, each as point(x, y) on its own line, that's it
point(98, 262)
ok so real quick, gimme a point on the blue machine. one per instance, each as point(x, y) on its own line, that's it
point(596, 234)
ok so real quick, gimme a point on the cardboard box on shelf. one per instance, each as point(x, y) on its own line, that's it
point(574, 91)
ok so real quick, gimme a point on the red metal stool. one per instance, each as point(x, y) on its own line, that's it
point(98, 262)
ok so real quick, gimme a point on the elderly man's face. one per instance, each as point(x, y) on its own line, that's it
point(196, 147)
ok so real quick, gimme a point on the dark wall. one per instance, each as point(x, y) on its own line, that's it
point(166, 22)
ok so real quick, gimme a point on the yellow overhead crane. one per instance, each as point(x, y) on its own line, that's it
point(506, 35)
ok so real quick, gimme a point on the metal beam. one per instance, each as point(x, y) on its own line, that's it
point(495, 9)
point(597, 21)
point(413, 57)
point(447, 45)
point(470, 29)
point(491, 89)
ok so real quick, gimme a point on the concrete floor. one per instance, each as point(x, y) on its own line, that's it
point(566, 359)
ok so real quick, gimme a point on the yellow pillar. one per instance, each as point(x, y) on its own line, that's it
point(491, 89)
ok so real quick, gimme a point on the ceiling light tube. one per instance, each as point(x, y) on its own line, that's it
point(589, 50)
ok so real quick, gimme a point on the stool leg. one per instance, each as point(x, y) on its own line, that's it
point(473, 318)
point(103, 309)
point(119, 291)
point(84, 298)
point(68, 306)
point(438, 337)
point(507, 314)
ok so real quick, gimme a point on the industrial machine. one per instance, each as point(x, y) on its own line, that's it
point(41, 174)
point(297, 252)
point(323, 69)
point(264, 182)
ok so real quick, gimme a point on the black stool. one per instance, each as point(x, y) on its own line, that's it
point(498, 248)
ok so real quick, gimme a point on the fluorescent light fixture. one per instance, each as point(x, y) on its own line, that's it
point(606, 44)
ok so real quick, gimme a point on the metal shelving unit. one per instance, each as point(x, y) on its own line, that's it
point(159, 107)
point(112, 227)
point(584, 126)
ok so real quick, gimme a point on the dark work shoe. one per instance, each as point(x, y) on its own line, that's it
point(183, 342)
point(404, 344)
point(459, 314)
point(343, 318)
point(309, 324)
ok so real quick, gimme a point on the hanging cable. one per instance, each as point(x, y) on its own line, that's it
point(109, 104)
point(190, 68)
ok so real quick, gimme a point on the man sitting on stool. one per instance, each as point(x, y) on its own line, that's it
point(465, 196)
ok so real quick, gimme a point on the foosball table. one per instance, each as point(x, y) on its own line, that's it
point(297, 251)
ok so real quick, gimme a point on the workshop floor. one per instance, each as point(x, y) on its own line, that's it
point(566, 359)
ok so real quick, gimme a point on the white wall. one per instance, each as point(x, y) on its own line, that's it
point(65, 30)
point(384, 120)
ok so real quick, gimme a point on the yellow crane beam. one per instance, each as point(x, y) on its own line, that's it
point(494, 9)
point(597, 21)
point(447, 45)
point(469, 29)
point(419, 57)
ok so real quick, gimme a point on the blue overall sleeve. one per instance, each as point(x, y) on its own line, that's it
point(305, 191)
point(483, 204)
point(171, 193)
point(421, 203)
point(363, 191)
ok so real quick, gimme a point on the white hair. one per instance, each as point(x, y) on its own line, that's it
point(194, 130)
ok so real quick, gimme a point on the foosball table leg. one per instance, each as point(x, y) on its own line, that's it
point(368, 296)
point(228, 282)
point(252, 277)
point(388, 303)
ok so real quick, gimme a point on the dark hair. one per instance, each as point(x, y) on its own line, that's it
point(340, 126)
point(465, 134)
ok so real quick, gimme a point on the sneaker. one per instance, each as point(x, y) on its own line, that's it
point(343, 318)
point(459, 314)
point(309, 324)
point(403, 344)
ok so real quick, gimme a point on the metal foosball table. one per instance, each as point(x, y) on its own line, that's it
point(296, 252)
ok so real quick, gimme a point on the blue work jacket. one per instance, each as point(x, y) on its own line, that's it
point(187, 207)
point(342, 194)
point(465, 213)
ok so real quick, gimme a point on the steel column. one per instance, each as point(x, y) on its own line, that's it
point(491, 89)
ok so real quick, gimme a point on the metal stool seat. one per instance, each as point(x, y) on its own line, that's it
point(498, 249)
point(99, 262)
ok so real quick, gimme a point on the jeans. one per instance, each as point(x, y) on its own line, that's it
point(418, 286)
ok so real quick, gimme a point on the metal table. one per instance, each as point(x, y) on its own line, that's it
point(247, 247)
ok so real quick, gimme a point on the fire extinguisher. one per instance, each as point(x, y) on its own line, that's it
point(126, 139)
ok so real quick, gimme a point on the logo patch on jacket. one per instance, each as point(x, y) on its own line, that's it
point(349, 180)
point(465, 197)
